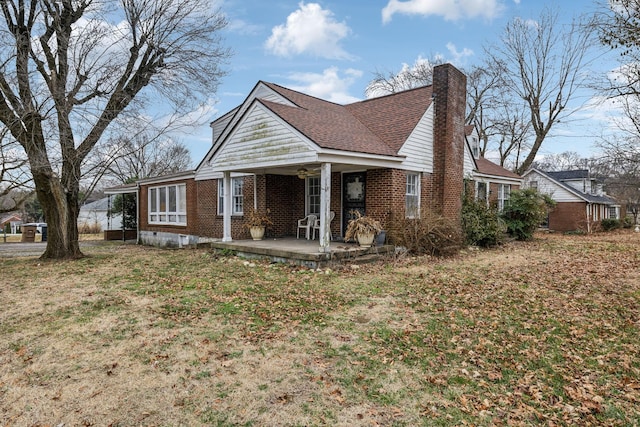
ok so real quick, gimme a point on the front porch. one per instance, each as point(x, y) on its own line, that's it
point(300, 251)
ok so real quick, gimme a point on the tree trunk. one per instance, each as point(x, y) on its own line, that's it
point(61, 210)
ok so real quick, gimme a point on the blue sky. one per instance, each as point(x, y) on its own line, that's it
point(332, 48)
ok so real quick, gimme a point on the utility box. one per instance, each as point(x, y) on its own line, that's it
point(28, 233)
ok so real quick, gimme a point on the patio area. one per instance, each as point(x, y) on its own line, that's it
point(300, 251)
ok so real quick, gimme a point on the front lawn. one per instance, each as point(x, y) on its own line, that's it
point(538, 333)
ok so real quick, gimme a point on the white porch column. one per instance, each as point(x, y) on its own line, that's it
point(325, 207)
point(226, 212)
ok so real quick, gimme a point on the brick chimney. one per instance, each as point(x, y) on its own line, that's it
point(449, 91)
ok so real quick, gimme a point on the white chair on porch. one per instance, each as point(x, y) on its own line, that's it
point(306, 224)
point(316, 226)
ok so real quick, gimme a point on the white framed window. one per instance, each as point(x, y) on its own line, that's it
point(613, 212)
point(168, 204)
point(504, 193)
point(412, 201)
point(313, 195)
point(237, 196)
point(481, 192)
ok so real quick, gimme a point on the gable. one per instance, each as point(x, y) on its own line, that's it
point(550, 187)
point(260, 139)
point(418, 147)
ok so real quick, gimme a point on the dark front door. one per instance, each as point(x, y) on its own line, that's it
point(353, 196)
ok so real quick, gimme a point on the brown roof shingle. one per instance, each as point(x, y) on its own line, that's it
point(375, 126)
point(488, 167)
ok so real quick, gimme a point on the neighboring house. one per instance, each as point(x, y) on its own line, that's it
point(95, 214)
point(295, 155)
point(580, 201)
point(10, 222)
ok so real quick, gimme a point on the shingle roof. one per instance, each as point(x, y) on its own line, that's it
point(569, 174)
point(488, 167)
point(375, 126)
point(582, 173)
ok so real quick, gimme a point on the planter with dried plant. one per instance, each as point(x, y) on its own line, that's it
point(362, 228)
point(257, 222)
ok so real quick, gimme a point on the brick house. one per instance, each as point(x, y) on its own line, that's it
point(580, 201)
point(295, 155)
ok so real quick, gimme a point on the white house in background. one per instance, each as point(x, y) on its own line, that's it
point(580, 201)
point(95, 213)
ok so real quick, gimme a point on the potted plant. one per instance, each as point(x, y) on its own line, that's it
point(257, 222)
point(363, 229)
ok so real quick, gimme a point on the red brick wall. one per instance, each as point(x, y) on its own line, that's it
point(449, 88)
point(192, 206)
point(385, 193)
point(568, 216)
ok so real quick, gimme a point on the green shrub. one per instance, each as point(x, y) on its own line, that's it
point(481, 224)
point(627, 222)
point(431, 234)
point(609, 224)
point(525, 211)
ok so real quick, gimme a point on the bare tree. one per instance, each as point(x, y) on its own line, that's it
point(15, 180)
point(420, 74)
point(69, 69)
point(569, 160)
point(542, 63)
point(144, 158)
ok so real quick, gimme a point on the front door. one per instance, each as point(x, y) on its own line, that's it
point(353, 196)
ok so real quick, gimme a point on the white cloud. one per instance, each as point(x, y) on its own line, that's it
point(448, 9)
point(309, 30)
point(331, 85)
point(243, 27)
point(457, 57)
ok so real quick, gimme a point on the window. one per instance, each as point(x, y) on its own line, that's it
point(313, 195)
point(481, 191)
point(412, 207)
point(504, 193)
point(533, 185)
point(237, 196)
point(475, 147)
point(168, 204)
point(613, 212)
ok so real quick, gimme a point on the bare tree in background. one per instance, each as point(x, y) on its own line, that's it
point(409, 77)
point(502, 124)
point(70, 69)
point(144, 158)
point(568, 160)
point(543, 64)
point(16, 184)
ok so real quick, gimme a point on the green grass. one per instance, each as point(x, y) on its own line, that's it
point(536, 333)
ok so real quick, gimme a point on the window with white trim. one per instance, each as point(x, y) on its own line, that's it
point(412, 204)
point(168, 204)
point(481, 191)
point(313, 195)
point(613, 212)
point(237, 196)
point(504, 193)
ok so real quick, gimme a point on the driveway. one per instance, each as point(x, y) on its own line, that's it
point(11, 250)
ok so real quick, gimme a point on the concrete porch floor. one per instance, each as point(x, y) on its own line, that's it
point(298, 251)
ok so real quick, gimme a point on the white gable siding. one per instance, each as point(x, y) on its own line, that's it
point(218, 126)
point(418, 148)
point(550, 188)
point(469, 165)
point(261, 140)
point(263, 92)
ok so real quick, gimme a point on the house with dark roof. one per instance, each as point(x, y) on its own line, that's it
point(295, 155)
point(581, 203)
